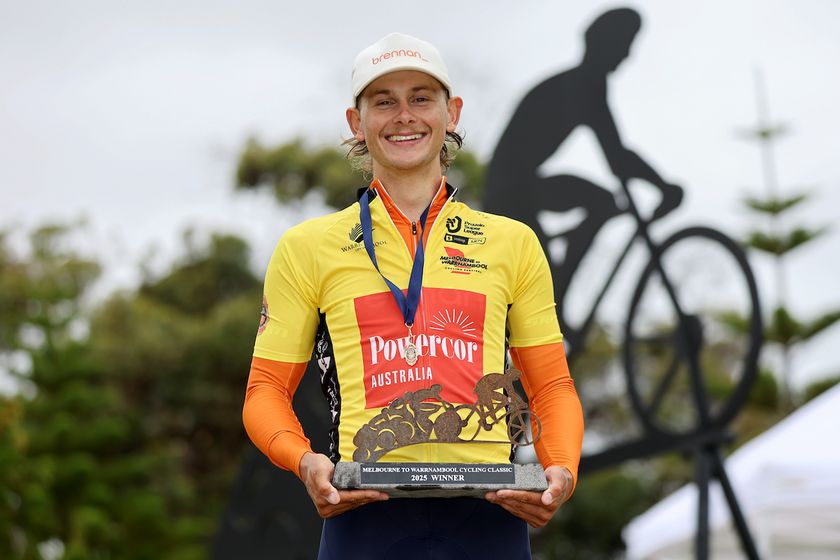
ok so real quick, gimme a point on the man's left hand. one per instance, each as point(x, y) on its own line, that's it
point(536, 508)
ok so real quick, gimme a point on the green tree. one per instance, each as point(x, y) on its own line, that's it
point(183, 343)
point(70, 438)
point(123, 443)
point(778, 240)
point(11, 465)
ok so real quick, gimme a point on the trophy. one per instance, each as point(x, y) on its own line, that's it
point(423, 416)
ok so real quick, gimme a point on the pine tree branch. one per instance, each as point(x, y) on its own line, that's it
point(783, 243)
point(820, 324)
point(775, 206)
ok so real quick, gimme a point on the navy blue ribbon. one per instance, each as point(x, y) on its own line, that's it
point(407, 303)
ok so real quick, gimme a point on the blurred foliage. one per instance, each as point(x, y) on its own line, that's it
point(764, 394)
point(778, 239)
point(779, 245)
point(292, 169)
point(123, 443)
point(467, 173)
point(783, 330)
point(761, 411)
point(817, 388)
point(589, 526)
point(40, 297)
point(774, 206)
point(199, 283)
point(599, 381)
point(786, 330)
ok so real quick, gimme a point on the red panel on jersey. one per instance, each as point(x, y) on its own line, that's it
point(448, 333)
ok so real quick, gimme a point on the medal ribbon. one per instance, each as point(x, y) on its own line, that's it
point(407, 303)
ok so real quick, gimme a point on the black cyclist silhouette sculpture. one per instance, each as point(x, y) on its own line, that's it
point(684, 384)
point(685, 379)
point(544, 119)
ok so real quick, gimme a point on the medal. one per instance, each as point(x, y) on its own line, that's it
point(411, 352)
point(409, 302)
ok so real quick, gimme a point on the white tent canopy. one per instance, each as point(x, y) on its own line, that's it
point(787, 481)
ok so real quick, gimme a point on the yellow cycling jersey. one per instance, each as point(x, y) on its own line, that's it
point(485, 281)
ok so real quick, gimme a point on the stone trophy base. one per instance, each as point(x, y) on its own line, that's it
point(438, 480)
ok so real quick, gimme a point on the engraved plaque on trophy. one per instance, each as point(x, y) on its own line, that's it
point(423, 416)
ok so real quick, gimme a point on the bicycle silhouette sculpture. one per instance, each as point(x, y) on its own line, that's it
point(685, 380)
point(408, 420)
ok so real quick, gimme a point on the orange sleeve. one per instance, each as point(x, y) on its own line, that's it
point(268, 416)
point(552, 395)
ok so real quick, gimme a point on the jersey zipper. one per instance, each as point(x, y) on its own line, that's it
point(431, 455)
point(420, 323)
point(422, 316)
point(423, 362)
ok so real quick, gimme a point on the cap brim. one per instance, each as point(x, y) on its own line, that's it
point(399, 68)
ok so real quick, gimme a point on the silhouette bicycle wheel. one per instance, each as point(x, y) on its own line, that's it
point(693, 333)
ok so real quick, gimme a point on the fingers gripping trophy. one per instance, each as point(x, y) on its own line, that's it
point(414, 303)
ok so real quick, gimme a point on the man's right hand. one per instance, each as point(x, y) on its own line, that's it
point(316, 472)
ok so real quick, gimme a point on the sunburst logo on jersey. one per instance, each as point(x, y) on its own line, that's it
point(445, 317)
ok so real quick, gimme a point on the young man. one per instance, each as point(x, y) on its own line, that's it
point(403, 290)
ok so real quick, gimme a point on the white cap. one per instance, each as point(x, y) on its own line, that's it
point(394, 52)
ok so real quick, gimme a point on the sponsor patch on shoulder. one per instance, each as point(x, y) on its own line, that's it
point(263, 316)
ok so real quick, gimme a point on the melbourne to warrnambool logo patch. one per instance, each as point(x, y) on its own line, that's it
point(457, 262)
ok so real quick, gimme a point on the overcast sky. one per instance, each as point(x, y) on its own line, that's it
point(131, 114)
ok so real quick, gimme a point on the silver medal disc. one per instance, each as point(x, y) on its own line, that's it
point(411, 354)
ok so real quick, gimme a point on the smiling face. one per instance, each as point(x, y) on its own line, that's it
point(403, 118)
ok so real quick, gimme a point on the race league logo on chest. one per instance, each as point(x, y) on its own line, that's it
point(448, 335)
point(474, 229)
